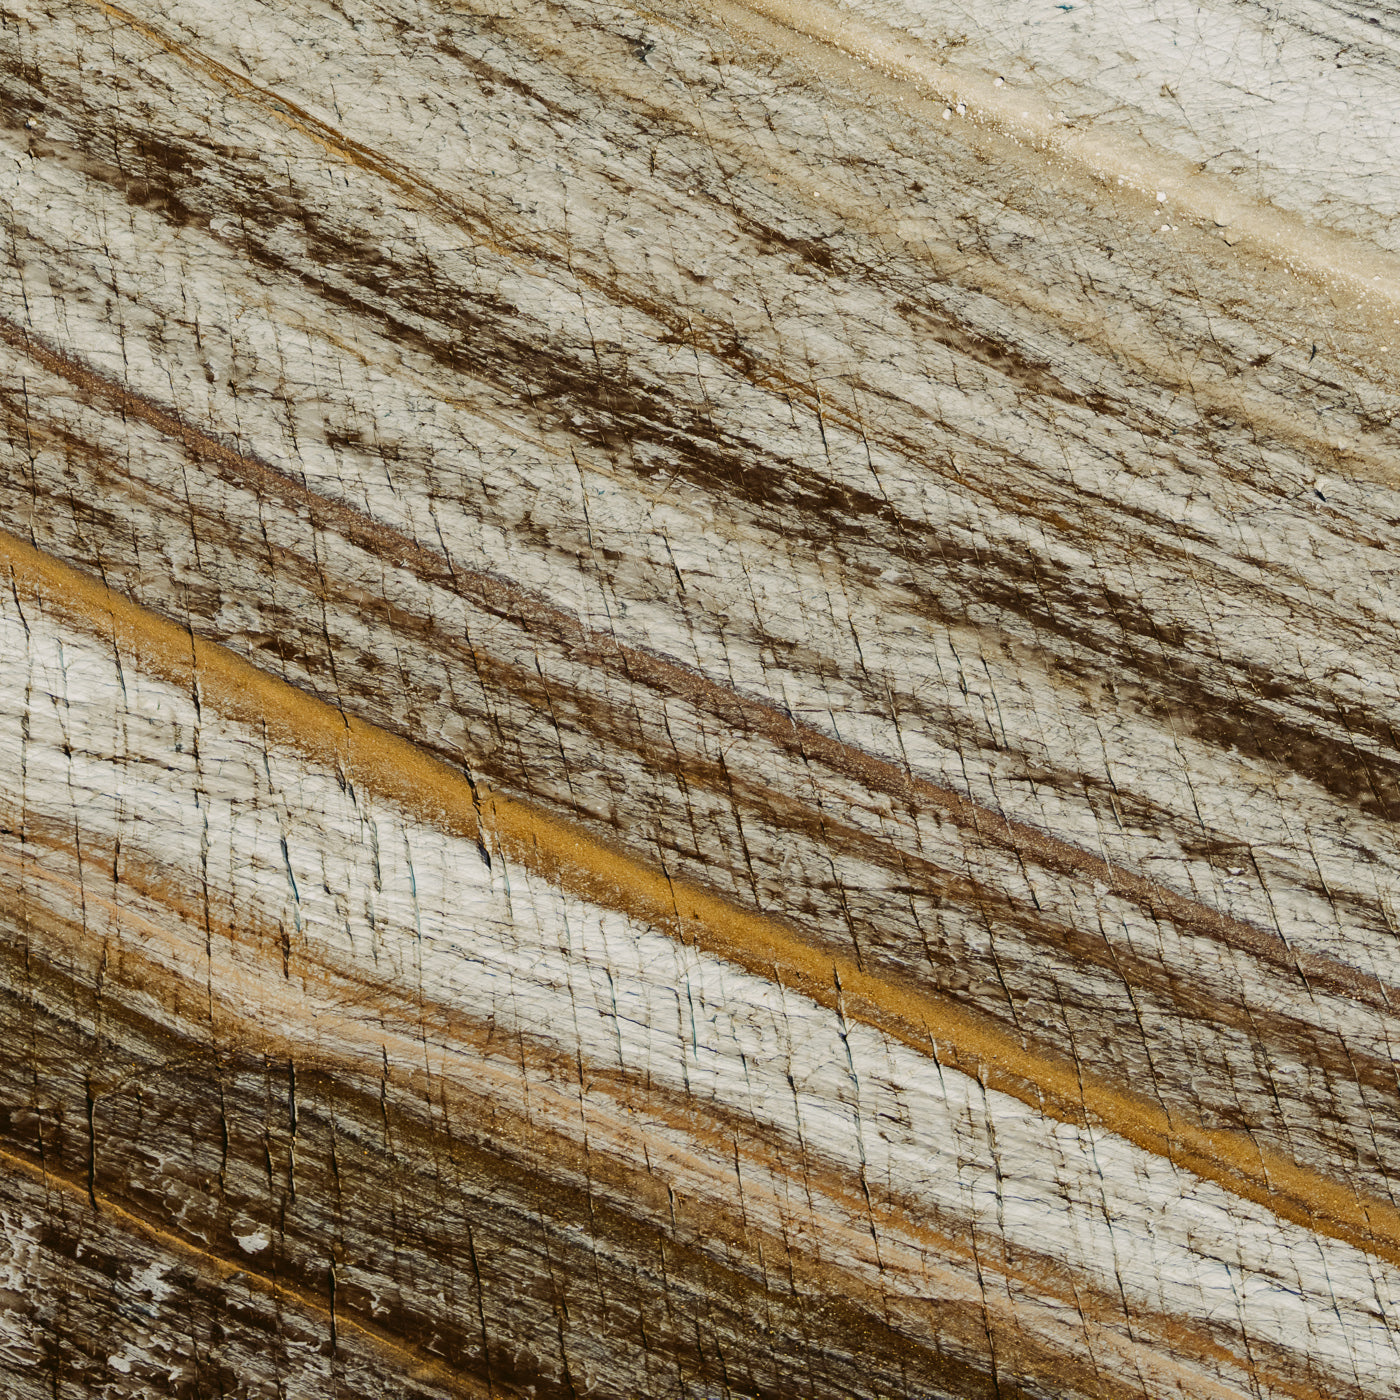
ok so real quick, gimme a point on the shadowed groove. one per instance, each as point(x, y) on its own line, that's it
point(1355, 274)
point(1164, 1344)
point(910, 758)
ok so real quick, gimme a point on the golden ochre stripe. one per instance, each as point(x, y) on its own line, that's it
point(429, 790)
point(728, 706)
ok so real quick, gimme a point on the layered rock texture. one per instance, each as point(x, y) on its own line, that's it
point(699, 701)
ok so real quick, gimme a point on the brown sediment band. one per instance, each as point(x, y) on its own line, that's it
point(86, 1196)
point(1329, 255)
point(287, 111)
point(397, 770)
point(1169, 1343)
point(777, 726)
point(890, 63)
point(357, 1018)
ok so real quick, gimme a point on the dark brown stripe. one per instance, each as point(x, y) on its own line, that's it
point(506, 599)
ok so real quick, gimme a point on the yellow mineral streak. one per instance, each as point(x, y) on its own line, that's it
point(396, 770)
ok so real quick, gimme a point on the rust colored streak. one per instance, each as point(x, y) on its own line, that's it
point(624, 1133)
point(755, 716)
point(431, 791)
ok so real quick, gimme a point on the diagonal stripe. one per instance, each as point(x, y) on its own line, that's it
point(399, 771)
point(739, 711)
point(889, 64)
point(1338, 259)
point(84, 1197)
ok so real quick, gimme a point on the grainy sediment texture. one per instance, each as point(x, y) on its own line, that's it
point(699, 701)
